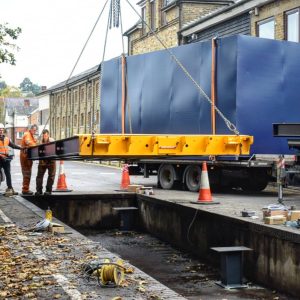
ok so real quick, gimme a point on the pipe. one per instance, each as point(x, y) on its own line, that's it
point(123, 93)
point(213, 85)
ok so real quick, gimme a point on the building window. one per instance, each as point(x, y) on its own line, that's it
point(143, 14)
point(90, 93)
point(89, 119)
point(20, 135)
point(292, 25)
point(75, 97)
point(168, 2)
point(266, 29)
point(82, 95)
point(75, 121)
point(152, 15)
point(81, 119)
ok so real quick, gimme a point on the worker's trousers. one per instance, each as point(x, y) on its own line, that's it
point(5, 164)
point(26, 166)
point(42, 168)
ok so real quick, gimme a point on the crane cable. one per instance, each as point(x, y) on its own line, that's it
point(126, 79)
point(75, 65)
point(115, 20)
point(85, 44)
point(229, 124)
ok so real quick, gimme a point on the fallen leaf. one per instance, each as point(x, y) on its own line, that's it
point(141, 289)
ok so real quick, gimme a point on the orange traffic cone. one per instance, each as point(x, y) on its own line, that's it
point(204, 192)
point(61, 182)
point(125, 182)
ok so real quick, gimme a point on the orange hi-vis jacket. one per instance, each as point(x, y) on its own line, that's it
point(28, 140)
point(4, 149)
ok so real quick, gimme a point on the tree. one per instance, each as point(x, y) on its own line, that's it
point(3, 85)
point(26, 86)
point(7, 35)
point(10, 92)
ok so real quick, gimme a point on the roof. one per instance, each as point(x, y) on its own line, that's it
point(133, 28)
point(140, 3)
point(16, 106)
point(73, 80)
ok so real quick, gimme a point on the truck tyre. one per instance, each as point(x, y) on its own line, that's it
point(257, 181)
point(166, 176)
point(192, 178)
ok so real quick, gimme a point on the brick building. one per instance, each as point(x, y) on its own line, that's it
point(275, 19)
point(75, 105)
point(180, 22)
point(166, 18)
point(17, 111)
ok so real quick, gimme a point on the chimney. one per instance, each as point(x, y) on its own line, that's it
point(43, 88)
point(26, 102)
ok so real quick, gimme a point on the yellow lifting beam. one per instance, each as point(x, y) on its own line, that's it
point(135, 145)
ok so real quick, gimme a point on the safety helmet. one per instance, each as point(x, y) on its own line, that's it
point(2, 126)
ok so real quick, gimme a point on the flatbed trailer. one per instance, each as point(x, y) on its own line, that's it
point(154, 153)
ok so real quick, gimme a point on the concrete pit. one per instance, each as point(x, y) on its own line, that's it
point(193, 268)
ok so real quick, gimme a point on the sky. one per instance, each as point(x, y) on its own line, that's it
point(53, 35)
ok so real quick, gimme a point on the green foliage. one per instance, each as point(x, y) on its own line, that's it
point(26, 86)
point(10, 92)
point(7, 36)
point(3, 85)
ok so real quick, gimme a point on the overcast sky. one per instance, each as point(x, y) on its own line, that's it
point(53, 34)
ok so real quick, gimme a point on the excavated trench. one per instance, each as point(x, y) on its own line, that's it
point(174, 266)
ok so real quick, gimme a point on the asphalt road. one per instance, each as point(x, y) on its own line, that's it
point(80, 177)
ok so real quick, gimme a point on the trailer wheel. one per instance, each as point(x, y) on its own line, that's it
point(166, 176)
point(256, 181)
point(192, 178)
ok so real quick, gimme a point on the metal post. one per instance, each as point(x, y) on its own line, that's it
point(280, 177)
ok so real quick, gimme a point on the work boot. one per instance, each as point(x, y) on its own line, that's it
point(9, 192)
point(38, 193)
point(27, 193)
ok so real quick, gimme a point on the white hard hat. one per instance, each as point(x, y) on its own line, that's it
point(2, 126)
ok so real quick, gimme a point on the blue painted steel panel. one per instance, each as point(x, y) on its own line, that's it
point(268, 89)
point(258, 83)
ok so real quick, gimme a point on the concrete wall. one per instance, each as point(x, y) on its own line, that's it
point(274, 261)
point(86, 211)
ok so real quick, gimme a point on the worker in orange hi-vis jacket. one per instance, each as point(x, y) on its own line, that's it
point(28, 140)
